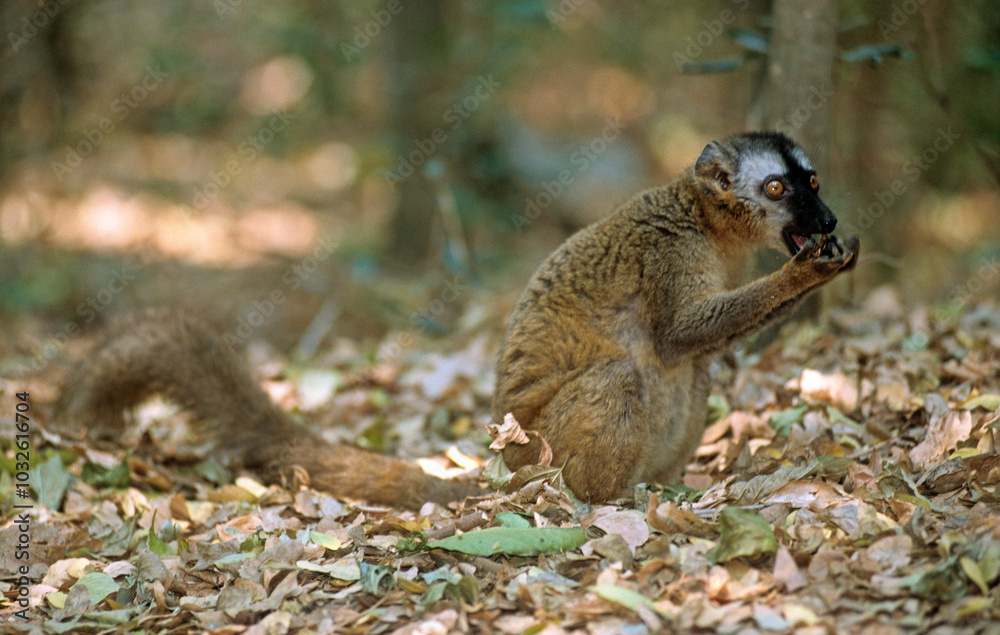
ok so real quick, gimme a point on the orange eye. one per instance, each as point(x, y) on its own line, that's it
point(774, 188)
point(814, 182)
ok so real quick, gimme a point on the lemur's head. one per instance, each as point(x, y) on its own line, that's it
point(772, 178)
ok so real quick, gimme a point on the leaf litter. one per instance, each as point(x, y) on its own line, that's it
point(847, 482)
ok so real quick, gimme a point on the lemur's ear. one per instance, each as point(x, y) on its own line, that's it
point(716, 163)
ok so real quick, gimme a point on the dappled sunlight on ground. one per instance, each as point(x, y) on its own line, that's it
point(107, 219)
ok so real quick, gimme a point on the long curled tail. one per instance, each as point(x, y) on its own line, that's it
point(179, 357)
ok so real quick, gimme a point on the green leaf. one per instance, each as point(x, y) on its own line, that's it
point(434, 593)
point(782, 422)
point(53, 626)
point(375, 578)
point(837, 416)
point(982, 59)
point(347, 571)
point(156, 544)
point(117, 617)
point(441, 573)
point(915, 343)
point(497, 474)
point(466, 589)
point(744, 532)
point(213, 472)
point(897, 482)
point(375, 435)
point(324, 540)
point(514, 541)
point(674, 492)
point(233, 558)
point(510, 519)
point(972, 571)
point(380, 399)
point(980, 561)
point(50, 481)
point(718, 408)
point(873, 53)
point(715, 66)
point(253, 543)
point(986, 402)
point(750, 40)
point(99, 476)
point(624, 597)
point(99, 586)
point(943, 583)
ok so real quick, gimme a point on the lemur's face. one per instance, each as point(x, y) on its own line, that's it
point(774, 179)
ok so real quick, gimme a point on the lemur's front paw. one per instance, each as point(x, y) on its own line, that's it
point(827, 257)
point(850, 248)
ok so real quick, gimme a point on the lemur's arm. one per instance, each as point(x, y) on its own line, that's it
point(716, 321)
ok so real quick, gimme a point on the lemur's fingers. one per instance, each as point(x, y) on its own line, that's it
point(829, 246)
point(806, 252)
point(853, 246)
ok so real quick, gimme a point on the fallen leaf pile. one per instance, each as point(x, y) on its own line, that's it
point(847, 482)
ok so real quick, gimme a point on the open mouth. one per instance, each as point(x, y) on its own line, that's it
point(795, 241)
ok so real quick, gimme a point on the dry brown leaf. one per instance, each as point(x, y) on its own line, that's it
point(890, 554)
point(511, 432)
point(892, 389)
point(816, 495)
point(946, 477)
point(985, 469)
point(507, 432)
point(835, 389)
point(862, 476)
point(630, 525)
point(715, 431)
point(944, 434)
point(786, 572)
point(668, 519)
point(238, 528)
point(839, 554)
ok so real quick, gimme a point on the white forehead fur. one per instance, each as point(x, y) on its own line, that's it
point(801, 157)
point(758, 165)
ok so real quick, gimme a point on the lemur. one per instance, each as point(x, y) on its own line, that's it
point(606, 354)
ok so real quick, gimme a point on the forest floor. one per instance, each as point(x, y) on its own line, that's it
point(847, 482)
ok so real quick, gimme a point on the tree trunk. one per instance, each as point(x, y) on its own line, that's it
point(799, 94)
point(419, 53)
point(800, 75)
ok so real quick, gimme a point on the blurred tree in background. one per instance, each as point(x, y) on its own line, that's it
point(450, 136)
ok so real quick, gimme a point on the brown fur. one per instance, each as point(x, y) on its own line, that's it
point(607, 352)
point(179, 357)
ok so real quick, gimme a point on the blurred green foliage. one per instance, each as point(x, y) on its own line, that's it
point(563, 68)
